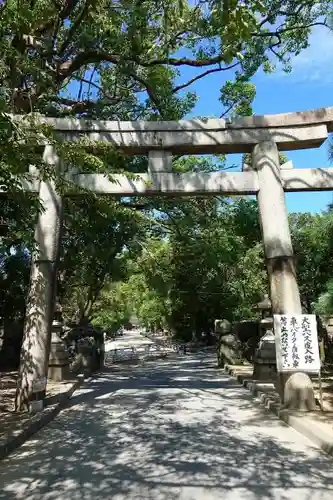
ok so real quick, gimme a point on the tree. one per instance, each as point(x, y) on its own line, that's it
point(312, 237)
point(324, 304)
point(120, 49)
point(209, 276)
point(96, 230)
point(205, 263)
point(14, 282)
point(111, 310)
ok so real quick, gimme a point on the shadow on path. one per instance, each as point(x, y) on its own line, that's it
point(173, 429)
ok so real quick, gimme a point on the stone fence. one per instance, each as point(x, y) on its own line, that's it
point(135, 353)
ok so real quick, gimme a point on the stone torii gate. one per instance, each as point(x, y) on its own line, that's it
point(263, 136)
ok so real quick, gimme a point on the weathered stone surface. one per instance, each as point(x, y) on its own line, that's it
point(298, 392)
point(89, 358)
point(226, 342)
point(194, 137)
point(284, 292)
point(247, 332)
point(228, 350)
point(283, 285)
point(236, 342)
point(59, 359)
point(219, 141)
point(40, 303)
point(307, 179)
point(222, 326)
point(265, 354)
point(134, 126)
point(297, 180)
point(264, 372)
point(293, 119)
point(58, 372)
point(265, 358)
point(271, 202)
point(84, 360)
point(168, 183)
point(230, 340)
point(159, 161)
point(228, 353)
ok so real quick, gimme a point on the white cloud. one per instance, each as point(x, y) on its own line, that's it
point(314, 64)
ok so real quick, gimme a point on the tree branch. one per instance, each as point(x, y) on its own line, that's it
point(90, 57)
point(74, 26)
point(76, 106)
point(93, 57)
point(280, 31)
point(68, 7)
point(202, 75)
point(93, 84)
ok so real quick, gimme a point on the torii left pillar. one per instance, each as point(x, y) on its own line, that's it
point(40, 303)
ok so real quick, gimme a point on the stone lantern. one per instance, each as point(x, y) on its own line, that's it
point(265, 356)
point(59, 359)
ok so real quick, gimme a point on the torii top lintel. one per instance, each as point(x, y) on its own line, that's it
point(298, 130)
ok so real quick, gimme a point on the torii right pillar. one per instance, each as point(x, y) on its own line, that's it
point(295, 389)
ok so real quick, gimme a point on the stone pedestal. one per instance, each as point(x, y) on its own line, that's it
point(59, 360)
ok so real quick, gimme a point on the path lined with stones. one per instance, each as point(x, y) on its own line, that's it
point(171, 429)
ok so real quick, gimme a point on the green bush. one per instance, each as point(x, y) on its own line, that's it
point(324, 304)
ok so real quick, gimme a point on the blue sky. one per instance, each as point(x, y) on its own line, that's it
point(309, 86)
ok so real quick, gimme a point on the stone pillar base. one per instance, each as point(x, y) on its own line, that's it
point(296, 391)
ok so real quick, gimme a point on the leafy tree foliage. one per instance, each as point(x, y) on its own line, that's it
point(122, 48)
point(96, 230)
point(206, 264)
point(112, 308)
point(324, 304)
point(313, 246)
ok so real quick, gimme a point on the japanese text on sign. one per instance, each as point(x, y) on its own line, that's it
point(296, 343)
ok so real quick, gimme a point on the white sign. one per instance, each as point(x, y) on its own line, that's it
point(296, 341)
